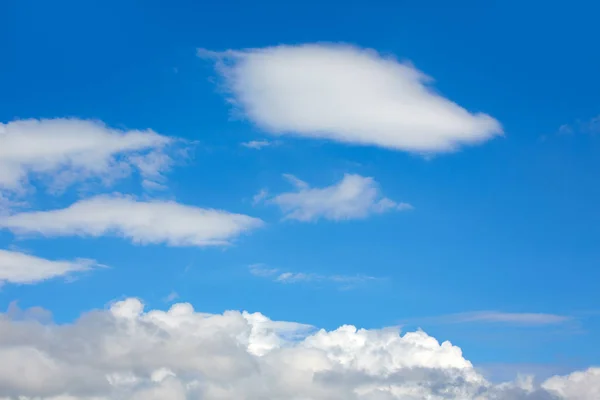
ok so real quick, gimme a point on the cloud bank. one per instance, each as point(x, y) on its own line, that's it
point(347, 94)
point(143, 222)
point(354, 197)
point(126, 353)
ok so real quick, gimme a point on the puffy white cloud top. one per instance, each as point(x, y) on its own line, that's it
point(126, 353)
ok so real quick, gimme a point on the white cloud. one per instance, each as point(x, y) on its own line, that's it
point(276, 275)
point(580, 385)
point(257, 144)
point(60, 152)
point(21, 268)
point(126, 353)
point(140, 221)
point(353, 197)
point(347, 94)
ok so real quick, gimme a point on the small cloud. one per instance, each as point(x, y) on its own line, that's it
point(354, 197)
point(262, 271)
point(344, 282)
point(257, 144)
point(260, 196)
point(171, 297)
point(294, 277)
point(565, 129)
point(299, 184)
point(589, 127)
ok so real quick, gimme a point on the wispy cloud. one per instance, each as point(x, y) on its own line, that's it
point(344, 282)
point(257, 144)
point(354, 197)
point(171, 297)
point(496, 317)
point(588, 126)
point(260, 196)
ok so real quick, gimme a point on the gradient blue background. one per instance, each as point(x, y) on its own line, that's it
point(511, 225)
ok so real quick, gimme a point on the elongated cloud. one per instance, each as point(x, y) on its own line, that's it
point(530, 319)
point(349, 95)
point(63, 151)
point(286, 277)
point(142, 222)
point(353, 197)
point(179, 354)
point(21, 268)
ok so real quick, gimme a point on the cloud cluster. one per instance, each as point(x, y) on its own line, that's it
point(60, 152)
point(354, 197)
point(180, 354)
point(349, 95)
point(21, 268)
point(142, 222)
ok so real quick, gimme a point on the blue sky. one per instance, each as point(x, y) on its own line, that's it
point(506, 226)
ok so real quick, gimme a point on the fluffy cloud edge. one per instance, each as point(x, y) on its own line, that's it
point(127, 352)
point(58, 152)
point(353, 197)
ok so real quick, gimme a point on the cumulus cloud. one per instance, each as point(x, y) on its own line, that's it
point(143, 222)
point(354, 197)
point(21, 268)
point(347, 94)
point(62, 151)
point(126, 353)
point(279, 276)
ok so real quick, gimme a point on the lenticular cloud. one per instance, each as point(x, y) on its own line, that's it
point(126, 353)
point(349, 95)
